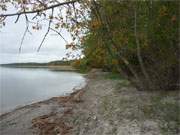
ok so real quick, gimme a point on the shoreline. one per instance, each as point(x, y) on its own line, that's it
point(50, 67)
point(103, 106)
point(54, 102)
point(35, 103)
point(71, 89)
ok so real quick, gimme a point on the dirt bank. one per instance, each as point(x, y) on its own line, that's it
point(104, 107)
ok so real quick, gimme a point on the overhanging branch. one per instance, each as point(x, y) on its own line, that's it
point(49, 26)
point(59, 35)
point(39, 10)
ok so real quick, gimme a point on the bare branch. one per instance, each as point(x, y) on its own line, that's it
point(17, 18)
point(35, 16)
point(25, 32)
point(75, 11)
point(20, 48)
point(49, 26)
point(59, 35)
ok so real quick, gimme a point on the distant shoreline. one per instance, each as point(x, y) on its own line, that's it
point(54, 65)
point(51, 67)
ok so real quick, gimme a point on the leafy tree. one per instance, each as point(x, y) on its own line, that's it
point(143, 37)
point(139, 39)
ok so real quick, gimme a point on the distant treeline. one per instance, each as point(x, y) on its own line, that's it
point(52, 63)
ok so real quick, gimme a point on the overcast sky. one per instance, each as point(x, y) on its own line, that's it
point(10, 39)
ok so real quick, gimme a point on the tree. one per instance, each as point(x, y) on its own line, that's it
point(68, 14)
point(135, 33)
point(139, 37)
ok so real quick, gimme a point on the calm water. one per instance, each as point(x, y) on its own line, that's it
point(22, 86)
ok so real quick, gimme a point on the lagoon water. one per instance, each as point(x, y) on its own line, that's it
point(22, 86)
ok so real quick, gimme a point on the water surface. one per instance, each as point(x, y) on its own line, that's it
point(22, 86)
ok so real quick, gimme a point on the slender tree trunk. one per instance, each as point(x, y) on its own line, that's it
point(102, 17)
point(139, 52)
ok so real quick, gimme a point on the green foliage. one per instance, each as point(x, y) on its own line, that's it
point(95, 54)
point(111, 42)
point(81, 65)
point(60, 62)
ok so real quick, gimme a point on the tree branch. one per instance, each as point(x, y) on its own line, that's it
point(26, 30)
point(139, 50)
point(103, 19)
point(39, 10)
point(49, 26)
point(17, 18)
point(59, 35)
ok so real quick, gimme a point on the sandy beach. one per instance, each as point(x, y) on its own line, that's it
point(103, 107)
